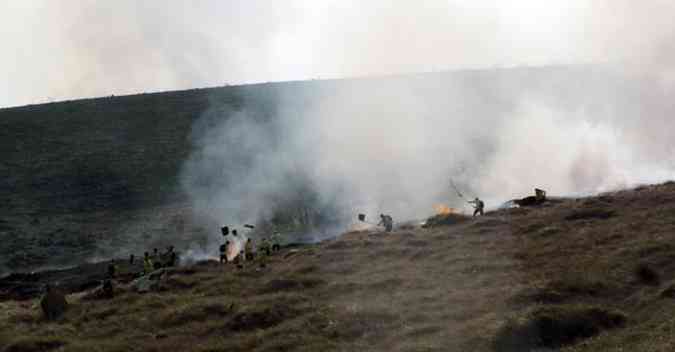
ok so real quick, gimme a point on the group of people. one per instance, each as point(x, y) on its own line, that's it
point(538, 198)
point(157, 260)
point(150, 262)
point(247, 252)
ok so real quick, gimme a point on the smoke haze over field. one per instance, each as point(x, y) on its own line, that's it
point(385, 145)
point(391, 145)
point(60, 49)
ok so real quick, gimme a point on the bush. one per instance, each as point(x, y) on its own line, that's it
point(555, 327)
point(647, 275)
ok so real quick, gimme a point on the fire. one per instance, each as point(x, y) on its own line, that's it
point(442, 209)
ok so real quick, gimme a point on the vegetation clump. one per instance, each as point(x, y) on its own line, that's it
point(555, 327)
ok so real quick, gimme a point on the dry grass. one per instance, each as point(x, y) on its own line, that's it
point(586, 284)
point(555, 327)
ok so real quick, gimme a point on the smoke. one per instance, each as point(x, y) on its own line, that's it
point(378, 145)
point(91, 48)
point(391, 145)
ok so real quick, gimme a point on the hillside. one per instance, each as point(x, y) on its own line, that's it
point(82, 179)
point(590, 274)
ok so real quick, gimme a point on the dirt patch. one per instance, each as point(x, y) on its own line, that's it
point(669, 292)
point(488, 223)
point(395, 252)
point(188, 270)
point(35, 345)
point(278, 285)
point(419, 332)
point(560, 291)
point(261, 319)
point(548, 231)
point(179, 283)
point(308, 269)
point(555, 327)
point(387, 284)
point(357, 325)
point(102, 314)
point(417, 243)
point(654, 249)
point(590, 214)
point(200, 312)
point(338, 245)
point(23, 318)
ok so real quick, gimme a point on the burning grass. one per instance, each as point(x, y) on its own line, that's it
point(445, 220)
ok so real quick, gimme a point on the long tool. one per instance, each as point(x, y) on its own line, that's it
point(456, 189)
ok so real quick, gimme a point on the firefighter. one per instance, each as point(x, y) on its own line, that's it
point(112, 269)
point(171, 262)
point(540, 194)
point(264, 246)
point(478, 206)
point(386, 221)
point(276, 242)
point(248, 248)
point(223, 252)
point(147, 263)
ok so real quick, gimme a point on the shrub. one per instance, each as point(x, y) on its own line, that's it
point(555, 327)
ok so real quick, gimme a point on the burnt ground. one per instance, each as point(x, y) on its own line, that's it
point(591, 274)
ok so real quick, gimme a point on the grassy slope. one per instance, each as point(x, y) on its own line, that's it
point(447, 288)
point(74, 173)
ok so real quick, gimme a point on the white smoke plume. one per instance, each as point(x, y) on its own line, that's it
point(388, 145)
point(392, 145)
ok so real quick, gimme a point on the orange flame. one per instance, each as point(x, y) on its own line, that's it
point(442, 209)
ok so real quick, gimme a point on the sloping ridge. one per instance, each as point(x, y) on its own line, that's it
point(553, 276)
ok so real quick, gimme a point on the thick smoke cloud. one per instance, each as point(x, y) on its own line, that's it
point(387, 145)
point(392, 145)
point(59, 49)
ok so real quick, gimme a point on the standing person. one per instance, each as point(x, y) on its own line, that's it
point(248, 248)
point(386, 221)
point(389, 225)
point(147, 263)
point(112, 269)
point(478, 206)
point(172, 257)
point(223, 252)
point(264, 246)
point(276, 241)
point(540, 194)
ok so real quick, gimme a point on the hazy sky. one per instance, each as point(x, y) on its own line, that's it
point(63, 49)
